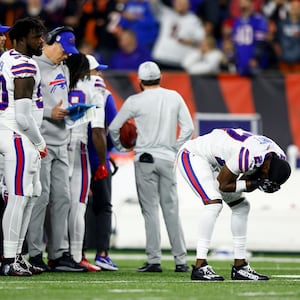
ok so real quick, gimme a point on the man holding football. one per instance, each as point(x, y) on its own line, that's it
point(219, 167)
point(157, 112)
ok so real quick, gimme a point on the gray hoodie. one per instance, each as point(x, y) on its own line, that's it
point(54, 87)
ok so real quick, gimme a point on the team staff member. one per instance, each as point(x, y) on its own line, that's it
point(84, 89)
point(22, 144)
point(211, 164)
point(55, 197)
point(101, 188)
point(157, 112)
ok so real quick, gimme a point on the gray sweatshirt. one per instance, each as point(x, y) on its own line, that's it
point(157, 112)
point(54, 87)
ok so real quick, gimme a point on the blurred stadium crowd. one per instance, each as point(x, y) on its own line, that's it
point(198, 36)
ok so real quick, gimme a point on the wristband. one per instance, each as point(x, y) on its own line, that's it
point(240, 186)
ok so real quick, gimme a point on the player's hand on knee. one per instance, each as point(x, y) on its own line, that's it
point(102, 172)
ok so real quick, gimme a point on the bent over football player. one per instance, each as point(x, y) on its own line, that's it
point(22, 145)
point(219, 167)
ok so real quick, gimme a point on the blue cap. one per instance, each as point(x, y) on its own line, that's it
point(67, 41)
point(4, 28)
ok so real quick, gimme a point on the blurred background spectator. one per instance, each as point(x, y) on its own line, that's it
point(35, 8)
point(55, 10)
point(225, 44)
point(138, 17)
point(180, 31)
point(98, 25)
point(287, 39)
point(225, 32)
point(249, 36)
point(129, 55)
point(204, 60)
point(234, 7)
point(209, 12)
point(72, 13)
point(254, 35)
point(228, 60)
point(275, 10)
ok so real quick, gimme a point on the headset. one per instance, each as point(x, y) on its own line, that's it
point(51, 35)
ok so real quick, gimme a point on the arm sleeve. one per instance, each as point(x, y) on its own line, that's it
point(99, 121)
point(24, 118)
point(98, 100)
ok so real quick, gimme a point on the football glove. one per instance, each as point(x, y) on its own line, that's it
point(43, 152)
point(102, 172)
point(267, 186)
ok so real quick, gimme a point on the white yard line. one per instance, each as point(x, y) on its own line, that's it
point(133, 256)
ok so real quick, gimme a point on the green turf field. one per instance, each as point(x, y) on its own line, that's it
point(129, 284)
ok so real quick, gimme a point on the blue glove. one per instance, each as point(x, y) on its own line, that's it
point(76, 111)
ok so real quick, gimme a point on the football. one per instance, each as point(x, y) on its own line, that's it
point(128, 134)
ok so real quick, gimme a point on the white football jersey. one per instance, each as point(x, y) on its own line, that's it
point(15, 65)
point(88, 91)
point(240, 150)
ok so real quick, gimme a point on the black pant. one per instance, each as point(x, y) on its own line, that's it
point(99, 215)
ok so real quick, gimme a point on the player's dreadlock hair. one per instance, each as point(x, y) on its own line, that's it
point(23, 27)
point(79, 67)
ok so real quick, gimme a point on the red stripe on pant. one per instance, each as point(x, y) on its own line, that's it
point(20, 165)
point(185, 159)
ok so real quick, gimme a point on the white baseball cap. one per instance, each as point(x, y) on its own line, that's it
point(94, 63)
point(149, 70)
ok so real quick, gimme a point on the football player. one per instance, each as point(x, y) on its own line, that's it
point(22, 145)
point(84, 89)
point(212, 165)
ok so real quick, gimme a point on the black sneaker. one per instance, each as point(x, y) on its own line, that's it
point(245, 272)
point(205, 273)
point(27, 266)
point(37, 261)
point(66, 263)
point(182, 268)
point(150, 268)
point(14, 269)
